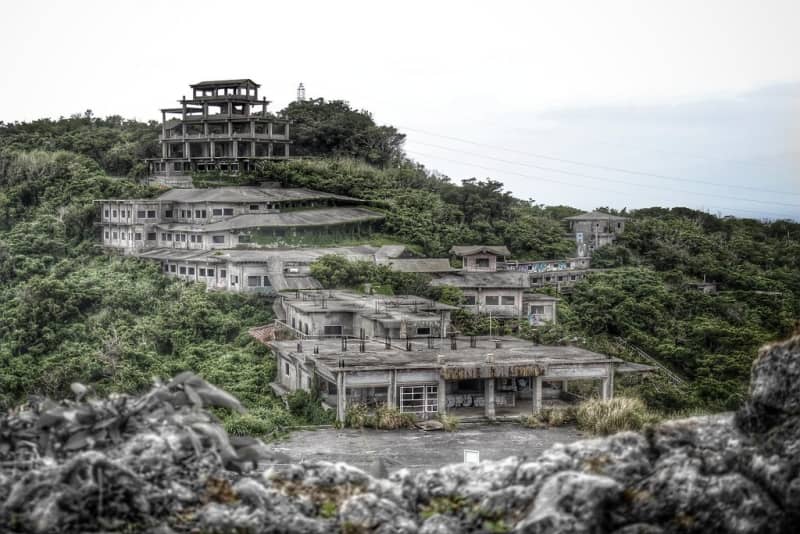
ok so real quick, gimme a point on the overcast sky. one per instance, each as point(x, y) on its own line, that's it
point(596, 103)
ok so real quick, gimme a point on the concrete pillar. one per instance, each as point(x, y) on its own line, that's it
point(252, 149)
point(211, 148)
point(604, 389)
point(253, 128)
point(269, 129)
point(536, 394)
point(564, 387)
point(441, 396)
point(230, 128)
point(163, 124)
point(610, 381)
point(286, 149)
point(341, 396)
point(187, 154)
point(235, 153)
point(488, 394)
point(391, 392)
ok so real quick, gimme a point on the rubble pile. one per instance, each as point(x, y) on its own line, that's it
point(162, 463)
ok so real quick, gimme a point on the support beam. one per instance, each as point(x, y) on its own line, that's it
point(341, 396)
point(536, 394)
point(488, 395)
point(611, 370)
point(441, 396)
point(391, 392)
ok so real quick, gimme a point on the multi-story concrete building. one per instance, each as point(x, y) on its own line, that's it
point(593, 230)
point(230, 217)
point(399, 351)
point(223, 127)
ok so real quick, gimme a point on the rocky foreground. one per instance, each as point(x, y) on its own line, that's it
point(161, 463)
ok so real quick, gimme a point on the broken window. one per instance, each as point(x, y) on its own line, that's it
point(168, 214)
point(253, 281)
point(223, 273)
point(469, 300)
point(151, 236)
point(191, 270)
point(141, 214)
point(151, 214)
point(492, 300)
point(419, 399)
point(227, 211)
point(332, 330)
point(106, 235)
point(482, 262)
point(218, 239)
point(172, 268)
point(216, 211)
point(508, 301)
point(182, 270)
point(137, 236)
point(244, 239)
point(253, 207)
point(210, 272)
point(424, 331)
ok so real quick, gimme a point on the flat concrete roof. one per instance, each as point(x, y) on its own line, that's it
point(417, 265)
point(263, 255)
point(374, 306)
point(497, 280)
point(248, 194)
point(514, 357)
point(310, 217)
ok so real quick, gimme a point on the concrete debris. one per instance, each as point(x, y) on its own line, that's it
point(162, 463)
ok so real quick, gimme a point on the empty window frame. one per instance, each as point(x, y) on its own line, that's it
point(137, 236)
point(507, 300)
point(469, 300)
point(182, 270)
point(218, 239)
point(419, 399)
point(482, 263)
point(223, 273)
point(106, 235)
point(168, 214)
point(210, 273)
point(253, 281)
point(492, 300)
point(244, 239)
point(172, 268)
point(141, 214)
point(216, 212)
point(424, 331)
point(151, 214)
point(332, 330)
point(253, 207)
point(151, 236)
point(227, 211)
point(191, 271)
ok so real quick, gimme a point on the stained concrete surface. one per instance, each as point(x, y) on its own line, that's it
point(418, 450)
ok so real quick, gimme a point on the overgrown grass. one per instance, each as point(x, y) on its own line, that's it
point(548, 417)
point(615, 415)
point(382, 418)
point(449, 422)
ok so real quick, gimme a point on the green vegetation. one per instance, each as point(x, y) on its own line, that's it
point(615, 415)
point(382, 417)
point(71, 313)
point(449, 422)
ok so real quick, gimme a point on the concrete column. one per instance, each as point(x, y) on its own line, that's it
point(230, 128)
point(252, 149)
point(286, 149)
point(441, 396)
point(341, 397)
point(211, 148)
point(253, 128)
point(488, 394)
point(610, 381)
point(269, 129)
point(391, 391)
point(604, 389)
point(163, 124)
point(235, 153)
point(564, 386)
point(187, 153)
point(164, 147)
point(536, 394)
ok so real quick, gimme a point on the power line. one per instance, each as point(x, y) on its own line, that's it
point(581, 186)
point(647, 186)
point(597, 166)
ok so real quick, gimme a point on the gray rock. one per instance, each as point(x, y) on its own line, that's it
point(162, 463)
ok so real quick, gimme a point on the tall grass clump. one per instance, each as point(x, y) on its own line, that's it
point(615, 415)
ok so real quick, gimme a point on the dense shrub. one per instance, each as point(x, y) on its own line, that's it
point(615, 415)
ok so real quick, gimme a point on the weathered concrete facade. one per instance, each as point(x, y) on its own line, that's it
point(223, 127)
point(593, 230)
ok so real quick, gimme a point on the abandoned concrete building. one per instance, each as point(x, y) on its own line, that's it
point(228, 217)
point(399, 351)
point(263, 271)
point(223, 127)
point(593, 230)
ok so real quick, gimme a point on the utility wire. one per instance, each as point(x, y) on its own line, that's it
point(596, 166)
point(590, 177)
point(580, 186)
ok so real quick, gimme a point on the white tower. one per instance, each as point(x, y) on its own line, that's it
point(301, 92)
